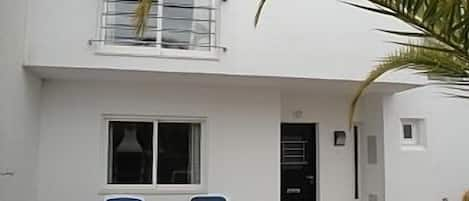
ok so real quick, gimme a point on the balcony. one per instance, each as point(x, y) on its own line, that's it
point(292, 41)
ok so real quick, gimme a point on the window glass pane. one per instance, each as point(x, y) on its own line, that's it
point(407, 131)
point(178, 153)
point(186, 24)
point(130, 152)
point(120, 24)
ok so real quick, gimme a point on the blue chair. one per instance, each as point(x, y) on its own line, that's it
point(123, 198)
point(209, 197)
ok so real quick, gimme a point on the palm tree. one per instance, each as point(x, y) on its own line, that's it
point(440, 48)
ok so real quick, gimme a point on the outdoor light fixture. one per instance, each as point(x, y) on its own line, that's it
point(339, 138)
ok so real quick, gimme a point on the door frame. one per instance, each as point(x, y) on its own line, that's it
point(317, 147)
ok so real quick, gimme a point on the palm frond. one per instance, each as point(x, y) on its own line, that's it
point(376, 10)
point(405, 33)
point(422, 46)
point(141, 15)
point(443, 25)
point(259, 11)
point(375, 74)
point(445, 66)
point(443, 20)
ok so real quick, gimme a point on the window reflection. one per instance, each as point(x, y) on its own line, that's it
point(130, 152)
point(186, 27)
point(178, 153)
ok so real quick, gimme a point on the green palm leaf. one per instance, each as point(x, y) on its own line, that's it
point(443, 66)
point(443, 51)
point(443, 20)
point(141, 15)
point(444, 54)
point(259, 11)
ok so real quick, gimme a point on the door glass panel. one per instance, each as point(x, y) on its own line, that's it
point(186, 24)
point(120, 24)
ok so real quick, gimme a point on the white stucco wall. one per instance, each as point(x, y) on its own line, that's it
point(302, 38)
point(296, 39)
point(19, 108)
point(242, 125)
point(439, 171)
point(370, 121)
point(243, 143)
point(335, 163)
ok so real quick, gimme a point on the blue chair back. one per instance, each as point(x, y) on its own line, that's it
point(208, 198)
point(123, 198)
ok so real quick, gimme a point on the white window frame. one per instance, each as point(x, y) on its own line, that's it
point(158, 51)
point(155, 188)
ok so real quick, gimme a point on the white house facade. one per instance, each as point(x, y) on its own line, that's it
point(203, 102)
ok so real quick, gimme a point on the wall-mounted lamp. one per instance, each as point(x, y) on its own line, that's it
point(339, 138)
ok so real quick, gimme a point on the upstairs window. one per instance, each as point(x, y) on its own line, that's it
point(173, 27)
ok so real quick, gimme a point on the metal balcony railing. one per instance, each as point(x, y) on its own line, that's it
point(172, 24)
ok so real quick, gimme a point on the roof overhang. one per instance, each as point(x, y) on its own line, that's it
point(301, 85)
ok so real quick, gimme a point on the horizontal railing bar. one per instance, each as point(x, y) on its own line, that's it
point(293, 156)
point(134, 38)
point(294, 142)
point(132, 27)
point(145, 42)
point(172, 5)
point(152, 40)
point(294, 163)
point(159, 30)
point(155, 43)
point(149, 42)
point(293, 149)
point(155, 16)
point(128, 26)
